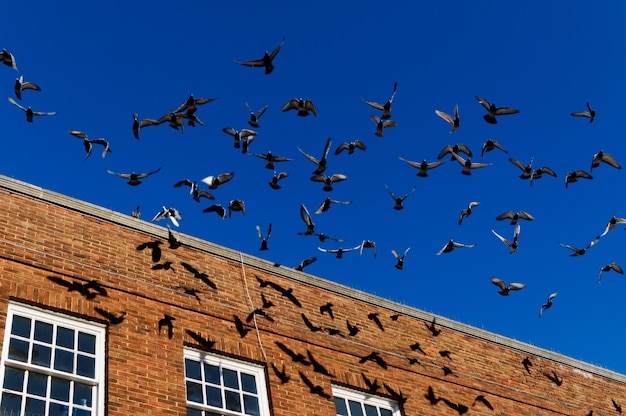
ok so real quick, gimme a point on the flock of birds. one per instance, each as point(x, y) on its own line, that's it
point(186, 115)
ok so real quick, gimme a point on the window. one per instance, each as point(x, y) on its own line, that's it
point(52, 364)
point(219, 386)
point(354, 403)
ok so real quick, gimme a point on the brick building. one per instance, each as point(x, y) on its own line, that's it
point(135, 323)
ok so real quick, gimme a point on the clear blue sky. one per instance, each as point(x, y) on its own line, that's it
point(97, 63)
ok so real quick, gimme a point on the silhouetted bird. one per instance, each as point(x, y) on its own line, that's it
point(548, 304)
point(329, 180)
point(20, 86)
point(399, 200)
point(8, 59)
point(264, 239)
point(554, 377)
point(468, 165)
point(309, 324)
point(266, 303)
point(573, 176)
point(581, 251)
point(368, 244)
point(173, 242)
point(400, 259)
point(352, 329)
point(451, 245)
point(350, 147)
point(305, 263)
point(454, 120)
point(417, 347)
point(325, 206)
point(89, 290)
point(113, 319)
point(215, 181)
point(431, 327)
point(338, 252)
point(538, 173)
point(313, 388)
point(423, 166)
point(295, 357)
point(373, 316)
point(466, 212)
point(617, 406)
point(327, 308)
point(281, 374)
point(203, 342)
point(317, 366)
point(493, 111)
point(382, 124)
point(218, 209)
point(515, 216)
point(445, 354)
point(308, 220)
point(386, 107)
point(167, 321)
point(609, 267)
point(236, 205)
point(321, 163)
point(504, 288)
point(376, 358)
point(238, 135)
point(138, 125)
point(133, 178)
point(490, 145)
point(457, 148)
point(254, 117)
point(154, 248)
point(301, 106)
point(513, 244)
point(199, 275)
point(372, 386)
point(276, 178)
point(527, 364)
point(240, 327)
point(430, 396)
point(611, 224)
point(267, 60)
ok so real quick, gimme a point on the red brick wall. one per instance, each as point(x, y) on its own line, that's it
point(145, 373)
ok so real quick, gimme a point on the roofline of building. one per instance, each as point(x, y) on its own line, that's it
point(15, 186)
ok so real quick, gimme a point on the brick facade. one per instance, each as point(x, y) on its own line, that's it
point(44, 234)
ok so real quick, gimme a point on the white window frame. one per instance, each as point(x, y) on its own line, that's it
point(57, 320)
point(257, 371)
point(366, 398)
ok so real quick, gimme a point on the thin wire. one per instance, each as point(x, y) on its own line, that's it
point(245, 281)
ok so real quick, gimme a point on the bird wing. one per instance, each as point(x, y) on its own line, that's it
point(308, 105)
point(501, 111)
point(374, 104)
point(518, 164)
point(445, 116)
point(498, 282)
point(12, 101)
point(342, 147)
point(484, 103)
point(290, 105)
point(277, 49)
point(308, 156)
point(306, 217)
point(338, 177)
point(121, 175)
point(144, 175)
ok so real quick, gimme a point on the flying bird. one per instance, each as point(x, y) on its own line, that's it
point(581, 251)
point(368, 244)
point(400, 258)
point(338, 251)
point(276, 178)
point(515, 216)
point(451, 245)
point(194, 191)
point(20, 86)
point(490, 145)
point(238, 135)
point(513, 245)
point(350, 147)
point(493, 111)
point(468, 165)
point(611, 224)
point(466, 212)
point(382, 124)
point(611, 266)
point(323, 237)
point(504, 288)
point(8, 59)
point(265, 62)
point(325, 206)
point(88, 143)
point(264, 239)
point(305, 263)
point(548, 304)
point(455, 149)
point(270, 159)
point(386, 107)
point(454, 121)
point(190, 106)
point(527, 170)
point(538, 173)
point(423, 166)
point(301, 106)
point(218, 209)
point(399, 200)
point(604, 157)
point(321, 163)
point(308, 220)
point(133, 178)
point(236, 205)
point(254, 117)
point(590, 113)
point(168, 322)
point(170, 213)
point(29, 111)
point(329, 180)
point(138, 125)
point(573, 176)
point(215, 181)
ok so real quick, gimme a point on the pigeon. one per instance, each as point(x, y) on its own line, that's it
point(538, 173)
point(399, 200)
point(329, 180)
point(136, 213)
point(611, 224)
point(590, 113)
point(515, 216)
point(451, 245)
point(609, 267)
point(504, 288)
point(527, 170)
point(513, 245)
point(302, 106)
point(238, 135)
point(267, 60)
point(350, 147)
point(382, 124)
point(236, 205)
point(305, 263)
point(174, 120)
point(423, 166)
point(264, 239)
point(133, 178)
point(138, 125)
point(400, 258)
point(308, 220)
point(325, 206)
point(548, 304)
point(171, 213)
point(20, 86)
point(88, 143)
point(218, 209)
point(493, 111)
point(215, 181)
point(573, 176)
point(581, 251)
point(467, 211)
point(270, 159)
point(368, 244)
point(604, 157)
point(323, 237)
point(454, 121)
point(457, 148)
point(29, 111)
point(191, 105)
point(468, 165)
point(8, 59)
point(194, 191)
point(339, 251)
point(321, 164)
point(490, 145)
point(275, 178)
point(385, 108)
point(254, 117)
